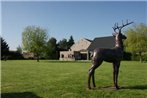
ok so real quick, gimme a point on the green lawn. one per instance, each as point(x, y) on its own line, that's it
point(54, 79)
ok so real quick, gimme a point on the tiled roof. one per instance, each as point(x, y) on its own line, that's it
point(102, 42)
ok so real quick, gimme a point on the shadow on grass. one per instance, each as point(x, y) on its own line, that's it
point(103, 88)
point(19, 95)
point(137, 87)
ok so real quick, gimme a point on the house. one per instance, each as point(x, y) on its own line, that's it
point(28, 55)
point(77, 51)
point(82, 49)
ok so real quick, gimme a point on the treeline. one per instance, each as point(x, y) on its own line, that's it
point(51, 49)
point(35, 40)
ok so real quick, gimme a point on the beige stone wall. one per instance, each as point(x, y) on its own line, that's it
point(82, 44)
point(28, 55)
point(67, 55)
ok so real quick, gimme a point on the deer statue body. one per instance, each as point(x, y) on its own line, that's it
point(113, 56)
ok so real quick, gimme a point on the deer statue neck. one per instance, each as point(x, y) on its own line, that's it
point(118, 42)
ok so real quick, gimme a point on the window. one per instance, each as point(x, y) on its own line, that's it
point(62, 56)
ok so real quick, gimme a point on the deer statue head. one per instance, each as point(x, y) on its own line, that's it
point(118, 33)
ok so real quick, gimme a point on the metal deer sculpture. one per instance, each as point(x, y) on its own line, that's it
point(113, 56)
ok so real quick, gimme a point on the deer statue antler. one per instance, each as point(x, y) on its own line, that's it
point(116, 27)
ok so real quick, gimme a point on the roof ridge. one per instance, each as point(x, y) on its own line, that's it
point(104, 37)
point(88, 39)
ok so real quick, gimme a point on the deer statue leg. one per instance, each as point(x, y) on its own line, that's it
point(93, 79)
point(96, 64)
point(115, 74)
point(91, 73)
point(91, 70)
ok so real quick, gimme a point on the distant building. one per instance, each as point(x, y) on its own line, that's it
point(69, 55)
point(28, 55)
point(82, 49)
point(78, 51)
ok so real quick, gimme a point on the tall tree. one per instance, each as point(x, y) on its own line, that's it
point(4, 49)
point(34, 40)
point(63, 44)
point(70, 42)
point(136, 40)
point(51, 49)
point(19, 49)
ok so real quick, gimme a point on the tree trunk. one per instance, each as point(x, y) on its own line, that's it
point(37, 57)
point(140, 55)
point(133, 56)
point(5, 58)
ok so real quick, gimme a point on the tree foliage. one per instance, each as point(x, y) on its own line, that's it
point(4, 49)
point(19, 49)
point(70, 42)
point(34, 40)
point(51, 49)
point(136, 39)
point(64, 44)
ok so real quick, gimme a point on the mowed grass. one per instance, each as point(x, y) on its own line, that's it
point(54, 79)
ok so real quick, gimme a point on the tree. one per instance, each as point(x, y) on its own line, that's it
point(136, 40)
point(19, 49)
point(70, 42)
point(51, 50)
point(4, 49)
point(63, 44)
point(34, 40)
